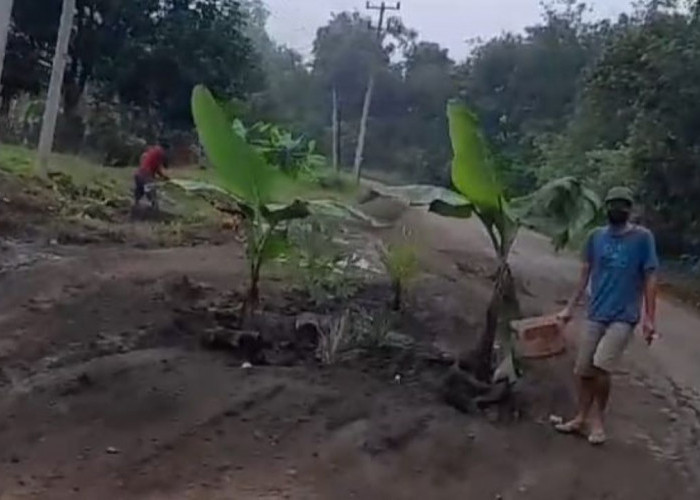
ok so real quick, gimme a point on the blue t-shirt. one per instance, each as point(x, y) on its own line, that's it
point(619, 266)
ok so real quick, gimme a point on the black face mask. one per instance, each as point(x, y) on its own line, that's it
point(618, 217)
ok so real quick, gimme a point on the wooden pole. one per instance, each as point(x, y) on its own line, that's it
point(53, 98)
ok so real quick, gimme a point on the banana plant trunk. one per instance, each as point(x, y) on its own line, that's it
point(504, 295)
point(252, 298)
point(397, 289)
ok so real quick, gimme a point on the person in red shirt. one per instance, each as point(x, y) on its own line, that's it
point(153, 161)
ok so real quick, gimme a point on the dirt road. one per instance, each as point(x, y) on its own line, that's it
point(104, 392)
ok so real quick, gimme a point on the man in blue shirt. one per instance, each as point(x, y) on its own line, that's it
point(619, 265)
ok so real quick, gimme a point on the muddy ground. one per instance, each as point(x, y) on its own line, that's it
point(106, 390)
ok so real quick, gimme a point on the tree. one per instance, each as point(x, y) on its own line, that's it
point(346, 53)
point(146, 53)
point(188, 43)
point(523, 86)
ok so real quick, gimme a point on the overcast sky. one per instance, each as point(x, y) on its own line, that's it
point(449, 22)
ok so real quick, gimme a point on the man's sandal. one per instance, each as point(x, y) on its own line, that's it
point(597, 438)
point(571, 427)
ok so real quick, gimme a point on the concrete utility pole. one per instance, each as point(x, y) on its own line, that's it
point(359, 152)
point(5, 16)
point(336, 131)
point(53, 99)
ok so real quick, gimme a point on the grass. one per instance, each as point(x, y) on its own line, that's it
point(118, 182)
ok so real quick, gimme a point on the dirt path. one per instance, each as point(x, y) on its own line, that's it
point(104, 392)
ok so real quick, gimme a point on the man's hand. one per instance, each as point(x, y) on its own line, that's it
point(566, 315)
point(649, 330)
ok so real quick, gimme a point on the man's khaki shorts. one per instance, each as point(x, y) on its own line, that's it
point(601, 345)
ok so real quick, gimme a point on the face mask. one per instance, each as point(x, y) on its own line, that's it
point(618, 217)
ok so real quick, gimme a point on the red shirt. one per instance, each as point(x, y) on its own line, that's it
point(152, 162)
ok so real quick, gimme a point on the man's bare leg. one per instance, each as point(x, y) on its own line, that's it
point(601, 395)
point(586, 388)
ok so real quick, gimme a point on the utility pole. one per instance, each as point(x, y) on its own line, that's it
point(5, 16)
point(359, 152)
point(53, 98)
point(336, 131)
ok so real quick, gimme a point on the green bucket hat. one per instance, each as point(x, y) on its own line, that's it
point(620, 193)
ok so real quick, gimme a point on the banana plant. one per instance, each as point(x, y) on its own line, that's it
point(251, 181)
point(258, 188)
point(294, 156)
point(562, 209)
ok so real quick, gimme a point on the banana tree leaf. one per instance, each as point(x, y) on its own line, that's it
point(439, 200)
point(242, 170)
point(421, 194)
point(239, 128)
point(473, 172)
point(445, 209)
point(331, 208)
point(563, 209)
point(200, 187)
point(278, 212)
point(275, 214)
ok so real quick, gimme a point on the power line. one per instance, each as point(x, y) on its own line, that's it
point(382, 8)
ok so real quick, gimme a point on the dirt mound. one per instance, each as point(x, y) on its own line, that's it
point(107, 390)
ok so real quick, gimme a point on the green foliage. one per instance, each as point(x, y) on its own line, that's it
point(295, 156)
point(563, 209)
point(146, 53)
point(322, 262)
point(251, 181)
point(472, 171)
point(242, 170)
point(401, 263)
point(336, 339)
point(258, 188)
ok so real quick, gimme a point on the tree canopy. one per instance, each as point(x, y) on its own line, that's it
point(148, 53)
point(610, 102)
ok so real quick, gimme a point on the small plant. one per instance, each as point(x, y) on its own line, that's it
point(374, 328)
point(336, 339)
point(324, 267)
point(401, 264)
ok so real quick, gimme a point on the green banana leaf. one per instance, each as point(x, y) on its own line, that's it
point(336, 209)
point(279, 212)
point(421, 194)
point(276, 214)
point(563, 209)
point(243, 172)
point(473, 172)
point(201, 187)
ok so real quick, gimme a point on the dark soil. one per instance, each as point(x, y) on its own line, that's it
point(129, 373)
